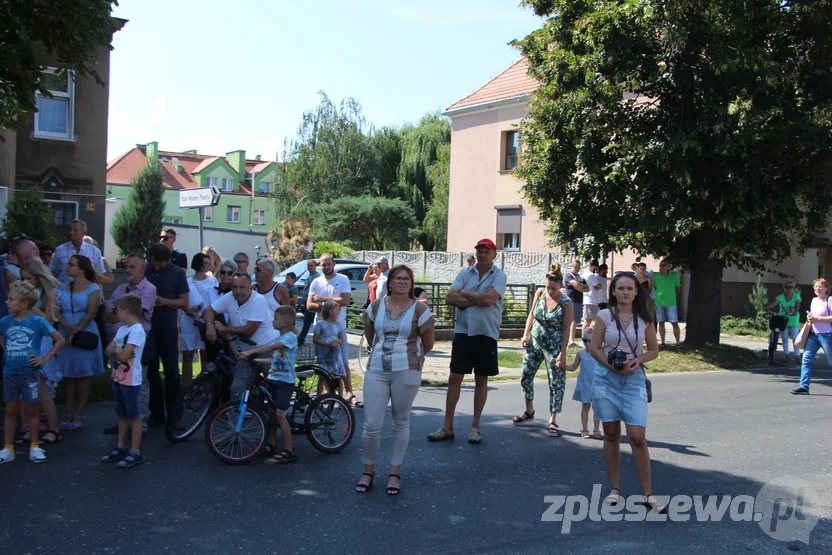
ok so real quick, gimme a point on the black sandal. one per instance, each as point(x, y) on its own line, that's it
point(24, 438)
point(662, 509)
point(364, 488)
point(43, 440)
point(523, 417)
point(393, 490)
point(269, 450)
point(284, 457)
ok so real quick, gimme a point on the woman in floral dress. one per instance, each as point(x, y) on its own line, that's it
point(545, 341)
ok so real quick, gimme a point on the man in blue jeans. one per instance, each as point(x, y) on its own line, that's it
point(162, 341)
point(308, 315)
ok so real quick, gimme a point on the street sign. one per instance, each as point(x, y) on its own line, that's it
point(198, 198)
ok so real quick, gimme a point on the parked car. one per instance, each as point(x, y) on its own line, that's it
point(353, 269)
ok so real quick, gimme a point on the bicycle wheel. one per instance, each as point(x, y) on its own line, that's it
point(363, 354)
point(330, 423)
point(772, 346)
point(191, 409)
point(319, 382)
point(229, 445)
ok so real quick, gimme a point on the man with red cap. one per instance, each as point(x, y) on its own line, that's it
point(477, 293)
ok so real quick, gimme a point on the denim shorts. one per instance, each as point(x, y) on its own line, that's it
point(617, 398)
point(281, 393)
point(21, 387)
point(127, 400)
point(667, 313)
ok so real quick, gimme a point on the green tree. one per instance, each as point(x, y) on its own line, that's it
point(331, 155)
point(26, 213)
point(138, 223)
point(368, 222)
point(436, 220)
point(694, 129)
point(420, 145)
point(34, 33)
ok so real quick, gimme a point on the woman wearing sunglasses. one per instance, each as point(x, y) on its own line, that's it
point(789, 303)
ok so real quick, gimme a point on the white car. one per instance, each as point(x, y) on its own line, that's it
point(353, 269)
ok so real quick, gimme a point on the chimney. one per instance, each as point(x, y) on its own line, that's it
point(237, 160)
point(177, 164)
point(192, 151)
point(257, 157)
point(153, 151)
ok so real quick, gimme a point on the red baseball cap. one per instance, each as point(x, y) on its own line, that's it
point(487, 243)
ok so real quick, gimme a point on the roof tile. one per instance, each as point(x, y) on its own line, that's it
point(513, 82)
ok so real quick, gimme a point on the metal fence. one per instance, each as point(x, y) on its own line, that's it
point(516, 305)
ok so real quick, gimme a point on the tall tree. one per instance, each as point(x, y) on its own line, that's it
point(33, 32)
point(386, 144)
point(419, 150)
point(694, 129)
point(435, 225)
point(26, 213)
point(331, 155)
point(138, 223)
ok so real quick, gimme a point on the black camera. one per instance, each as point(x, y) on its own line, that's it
point(617, 358)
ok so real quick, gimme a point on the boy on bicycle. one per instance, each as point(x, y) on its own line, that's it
point(282, 376)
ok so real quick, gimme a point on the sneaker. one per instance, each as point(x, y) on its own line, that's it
point(6, 456)
point(115, 455)
point(474, 437)
point(799, 391)
point(130, 460)
point(37, 455)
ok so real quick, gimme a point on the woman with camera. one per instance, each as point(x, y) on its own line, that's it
point(619, 389)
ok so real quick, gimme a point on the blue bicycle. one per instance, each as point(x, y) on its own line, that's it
point(237, 431)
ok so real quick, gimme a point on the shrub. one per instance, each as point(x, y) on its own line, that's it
point(743, 326)
point(335, 249)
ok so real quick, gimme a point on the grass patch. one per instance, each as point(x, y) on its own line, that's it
point(514, 359)
point(746, 327)
point(709, 357)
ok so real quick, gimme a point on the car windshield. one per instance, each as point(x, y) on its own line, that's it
point(299, 268)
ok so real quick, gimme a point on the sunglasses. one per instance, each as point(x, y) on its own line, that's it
point(789, 286)
point(166, 237)
point(227, 273)
point(631, 274)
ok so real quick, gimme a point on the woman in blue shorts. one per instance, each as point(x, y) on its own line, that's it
point(619, 392)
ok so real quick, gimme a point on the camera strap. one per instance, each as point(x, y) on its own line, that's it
point(635, 327)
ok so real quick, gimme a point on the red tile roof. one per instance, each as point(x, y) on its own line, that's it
point(122, 169)
point(511, 83)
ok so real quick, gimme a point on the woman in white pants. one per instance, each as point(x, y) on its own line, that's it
point(401, 331)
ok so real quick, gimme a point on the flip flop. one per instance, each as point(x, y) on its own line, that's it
point(59, 437)
point(355, 402)
point(552, 430)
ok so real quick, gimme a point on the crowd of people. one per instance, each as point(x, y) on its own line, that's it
point(55, 331)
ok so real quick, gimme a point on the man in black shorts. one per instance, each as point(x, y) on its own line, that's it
point(477, 293)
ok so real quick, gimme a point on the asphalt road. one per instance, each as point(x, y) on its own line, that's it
point(710, 433)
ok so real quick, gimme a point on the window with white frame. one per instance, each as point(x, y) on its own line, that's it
point(208, 214)
point(211, 182)
point(233, 214)
point(509, 226)
point(511, 150)
point(264, 187)
point(172, 220)
point(227, 184)
point(259, 217)
point(509, 241)
point(55, 117)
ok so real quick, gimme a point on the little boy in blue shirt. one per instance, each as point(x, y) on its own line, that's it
point(282, 376)
point(22, 333)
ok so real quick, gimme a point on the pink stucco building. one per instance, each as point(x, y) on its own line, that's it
point(485, 198)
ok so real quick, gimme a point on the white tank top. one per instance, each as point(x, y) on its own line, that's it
point(271, 301)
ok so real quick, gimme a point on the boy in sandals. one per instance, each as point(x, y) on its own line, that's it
point(282, 375)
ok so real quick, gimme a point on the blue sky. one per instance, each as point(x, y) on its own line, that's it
point(220, 75)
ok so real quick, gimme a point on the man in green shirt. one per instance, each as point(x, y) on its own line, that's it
point(668, 286)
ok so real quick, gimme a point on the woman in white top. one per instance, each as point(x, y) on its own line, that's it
point(619, 391)
point(189, 339)
point(401, 331)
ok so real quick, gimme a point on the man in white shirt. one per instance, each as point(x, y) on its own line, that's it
point(381, 282)
point(590, 302)
point(601, 298)
point(332, 286)
point(248, 314)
